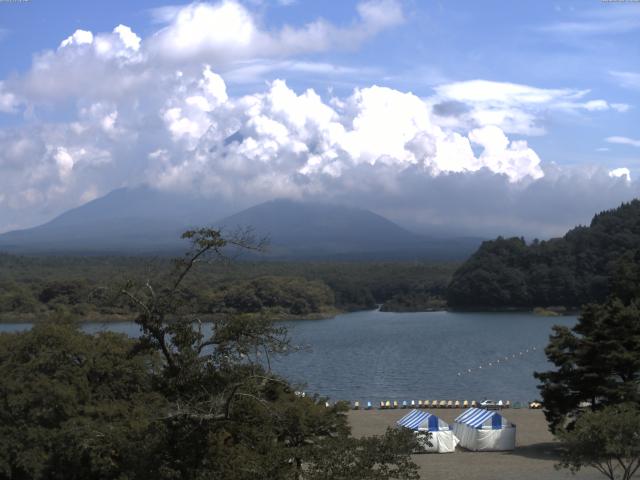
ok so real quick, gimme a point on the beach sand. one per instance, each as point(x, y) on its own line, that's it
point(533, 459)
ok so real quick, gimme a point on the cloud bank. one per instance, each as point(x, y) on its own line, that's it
point(158, 111)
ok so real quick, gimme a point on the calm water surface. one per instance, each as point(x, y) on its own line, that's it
point(409, 356)
point(386, 356)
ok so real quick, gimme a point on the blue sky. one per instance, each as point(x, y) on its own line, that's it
point(558, 81)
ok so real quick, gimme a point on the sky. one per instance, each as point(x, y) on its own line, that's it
point(486, 118)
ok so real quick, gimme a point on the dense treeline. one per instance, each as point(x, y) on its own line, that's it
point(33, 288)
point(569, 271)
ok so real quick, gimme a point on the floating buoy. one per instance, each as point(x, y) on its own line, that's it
point(497, 361)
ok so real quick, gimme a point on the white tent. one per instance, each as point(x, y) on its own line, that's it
point(442, 438)
point(484, 431)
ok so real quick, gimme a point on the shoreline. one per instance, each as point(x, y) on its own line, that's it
point(93, 318)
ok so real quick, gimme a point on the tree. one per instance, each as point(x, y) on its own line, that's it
point(607, 440)
point(75, 406)
point(598, 362)
point(228, 415)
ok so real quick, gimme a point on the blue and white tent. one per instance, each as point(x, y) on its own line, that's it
point(484, 430)
point(441, 437)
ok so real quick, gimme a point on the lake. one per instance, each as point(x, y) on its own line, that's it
point(377, 355)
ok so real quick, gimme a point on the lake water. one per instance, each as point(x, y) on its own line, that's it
point(409, 356)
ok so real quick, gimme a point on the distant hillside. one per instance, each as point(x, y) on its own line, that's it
point(314, 230)
point(578, 268)
point(146, 221)
point(137, 220)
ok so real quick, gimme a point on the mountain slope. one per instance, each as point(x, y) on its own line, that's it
point(139, 220)
point(296, 227)
point(581, 267)
point(326, 231)
point(147, 221)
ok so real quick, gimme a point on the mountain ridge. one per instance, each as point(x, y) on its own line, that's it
point(147, 221)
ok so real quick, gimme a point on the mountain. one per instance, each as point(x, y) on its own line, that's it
point(585, 265)
point(137, 220)
point(147, 221)
point(316, 230)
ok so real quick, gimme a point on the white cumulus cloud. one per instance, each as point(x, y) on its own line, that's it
point(157, 110)
point(227, 31)
point(513, 107)
point(621, 172)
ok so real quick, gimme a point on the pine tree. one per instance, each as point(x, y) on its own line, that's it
point(598, 362)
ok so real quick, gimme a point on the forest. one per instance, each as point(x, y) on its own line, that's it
point(581, 267)
point(34, 288)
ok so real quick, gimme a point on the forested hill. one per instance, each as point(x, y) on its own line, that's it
point(581, 267)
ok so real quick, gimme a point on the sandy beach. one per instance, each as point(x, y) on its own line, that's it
point(533, 459)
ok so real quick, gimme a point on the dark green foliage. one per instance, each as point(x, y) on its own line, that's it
point(364, 459)
point(16, 297)
point(598, 362)
point(74, 406)
point(579, 268)
point(33, 288)
point(288, 295)
point(607, 440)
point(351, 295)
point(414, 302)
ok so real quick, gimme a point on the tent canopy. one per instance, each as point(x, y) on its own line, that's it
point(480, 418)
point(417, 420)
